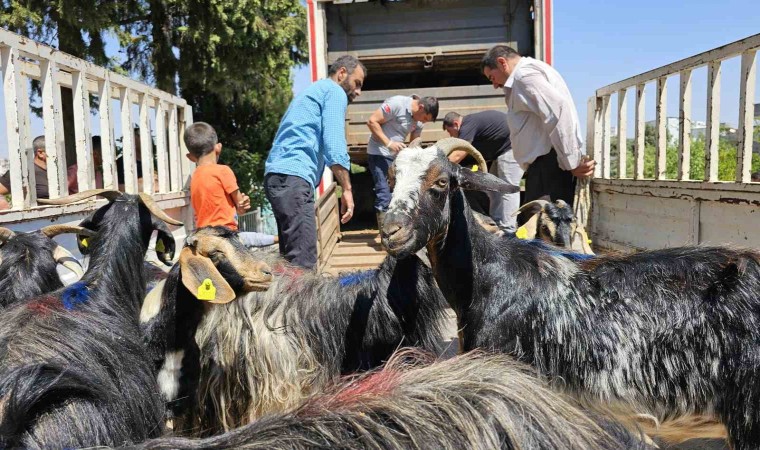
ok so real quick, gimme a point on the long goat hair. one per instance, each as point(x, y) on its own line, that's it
point(73, 370)
point(265, 351)
point(474, 401)
point(667, 333)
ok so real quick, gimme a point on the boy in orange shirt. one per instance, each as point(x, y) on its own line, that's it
point(214, 191)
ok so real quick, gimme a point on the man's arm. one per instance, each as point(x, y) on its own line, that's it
point(241, 201)
point(347, 198)
point(375, 122)
point(556, 113)
point(467, 133)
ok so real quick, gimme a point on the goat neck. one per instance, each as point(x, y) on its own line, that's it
point(116, 272)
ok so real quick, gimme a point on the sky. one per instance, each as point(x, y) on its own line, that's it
point(600, 42)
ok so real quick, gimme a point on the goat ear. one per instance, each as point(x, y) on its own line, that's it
point(165, 245)
point(482, 181)
point(202, 279)
point(83, 241)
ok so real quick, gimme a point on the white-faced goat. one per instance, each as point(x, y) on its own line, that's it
point(473, 402)
point(28, 262)
point(668, 332)
point(553, 222)
point(73, 368)
point(266, 351)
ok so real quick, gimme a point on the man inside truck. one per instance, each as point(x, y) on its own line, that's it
point(390, 124)
point(546, 136)
point(312, 134)
point(487, 131)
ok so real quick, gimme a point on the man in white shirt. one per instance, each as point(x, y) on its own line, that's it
point(545, 133)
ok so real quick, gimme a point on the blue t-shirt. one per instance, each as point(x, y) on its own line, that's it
point(311, 134)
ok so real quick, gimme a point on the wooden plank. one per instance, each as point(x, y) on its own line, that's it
point(684, 126)
point(661, 136)
point(107, 141)
point(146, 146)
point(326, 230)
point(332, 214)
point(188, 167)
point(712, 132)
point(128, 157)
point(622, 133)
point(606, 137)
point(14, 89)
point(597, 140)
point(640, 133)
point(326, 194)
point(174, 164)
point(356, 261)
point(85, 171)
point(162, 153)
point(52, 118)
point(692, 62)
point(327, 207)
point(747, 79)
point(330, 246)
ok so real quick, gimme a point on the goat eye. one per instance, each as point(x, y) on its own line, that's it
point(442, 183)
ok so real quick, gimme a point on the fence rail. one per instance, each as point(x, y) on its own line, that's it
point(631, 211)
point(599, 112)
point(23, 59)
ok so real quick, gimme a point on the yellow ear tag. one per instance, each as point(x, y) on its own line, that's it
point(206, 291)
point(475, 168)
point(84, 242)
point(522, 232)
point(160, 246)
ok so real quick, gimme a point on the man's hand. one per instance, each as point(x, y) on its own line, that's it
point(396, 146)
point(585, 169)
point(244, 204)
point(346, 206)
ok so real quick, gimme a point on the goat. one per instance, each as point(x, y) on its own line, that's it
point(73, 370)
point(554, 223)
point(28, 262)
point(667, 332)
point(474, 401)
point(265, 351)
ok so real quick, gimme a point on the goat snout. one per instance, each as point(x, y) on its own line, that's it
point(259, 279)
point(396, 236)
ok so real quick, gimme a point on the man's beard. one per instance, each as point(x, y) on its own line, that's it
point(350, 93)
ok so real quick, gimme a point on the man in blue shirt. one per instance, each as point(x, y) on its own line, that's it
point(311, 135)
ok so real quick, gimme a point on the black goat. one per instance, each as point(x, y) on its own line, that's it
point(473, 402)
point(28, 262)
point(73, 369)
point(668, 333)
point(553, 222)
point(265, 351)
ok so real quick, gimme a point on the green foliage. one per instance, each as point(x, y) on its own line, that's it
point(230, 59)
point(727, 154)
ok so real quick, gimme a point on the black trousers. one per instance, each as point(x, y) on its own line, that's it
point(292, 200)
point(545, 178)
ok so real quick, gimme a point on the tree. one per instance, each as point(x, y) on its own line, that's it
point(231, 59)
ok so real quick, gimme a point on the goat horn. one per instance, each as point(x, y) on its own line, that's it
point(154, 209)
point(67, 260)
point(542, 203)
point(6, 234)
point(54, 230)
point(110, 194)
point(451, 144)
point(417, 142)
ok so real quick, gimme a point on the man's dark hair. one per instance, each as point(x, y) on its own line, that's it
point(200, 139)
point(448, 119)
point(497, 51)
point(38, 143)
point(430, 105)
point(347, 61)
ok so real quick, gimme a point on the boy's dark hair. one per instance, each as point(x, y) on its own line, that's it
point(347, 61)
point(430, 105)
point(200, 139)
point(448, 119)
point(497, 51)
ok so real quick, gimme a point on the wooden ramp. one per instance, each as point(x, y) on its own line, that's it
point(357, 250)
